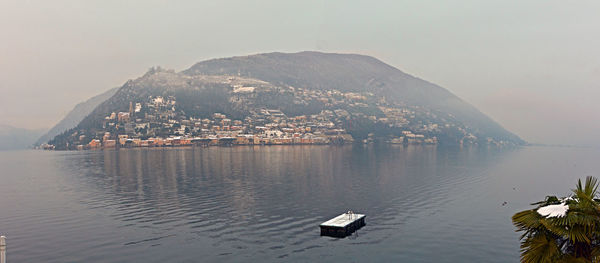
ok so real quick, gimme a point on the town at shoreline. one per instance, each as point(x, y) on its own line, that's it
point(157, 122)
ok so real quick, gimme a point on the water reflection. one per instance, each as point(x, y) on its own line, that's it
point(264, 203)
point(233, 203)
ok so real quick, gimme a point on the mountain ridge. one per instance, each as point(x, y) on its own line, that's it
point(13, 138)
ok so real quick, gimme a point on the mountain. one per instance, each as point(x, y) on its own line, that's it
point(352, 73)
point(316, 93)
point(75, 116)
point(12, 138)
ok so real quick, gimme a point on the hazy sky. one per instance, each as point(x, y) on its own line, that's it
point(532, 65)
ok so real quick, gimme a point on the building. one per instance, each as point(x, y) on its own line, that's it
point(123, 117)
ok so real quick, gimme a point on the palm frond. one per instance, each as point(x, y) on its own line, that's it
point(571, 236)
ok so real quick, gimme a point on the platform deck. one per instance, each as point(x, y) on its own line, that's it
point(342, 225)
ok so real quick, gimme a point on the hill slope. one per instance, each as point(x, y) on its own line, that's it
point(75, 116)
point(354, 73)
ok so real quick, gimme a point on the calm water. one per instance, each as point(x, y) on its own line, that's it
point(241, 204)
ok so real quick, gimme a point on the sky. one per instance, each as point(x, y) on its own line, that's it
point(533, 66)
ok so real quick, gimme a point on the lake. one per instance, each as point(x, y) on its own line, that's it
point(264, 203)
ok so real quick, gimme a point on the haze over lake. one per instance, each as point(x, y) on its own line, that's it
point(265, 203)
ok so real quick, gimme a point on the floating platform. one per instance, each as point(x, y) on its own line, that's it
point(342, 225)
